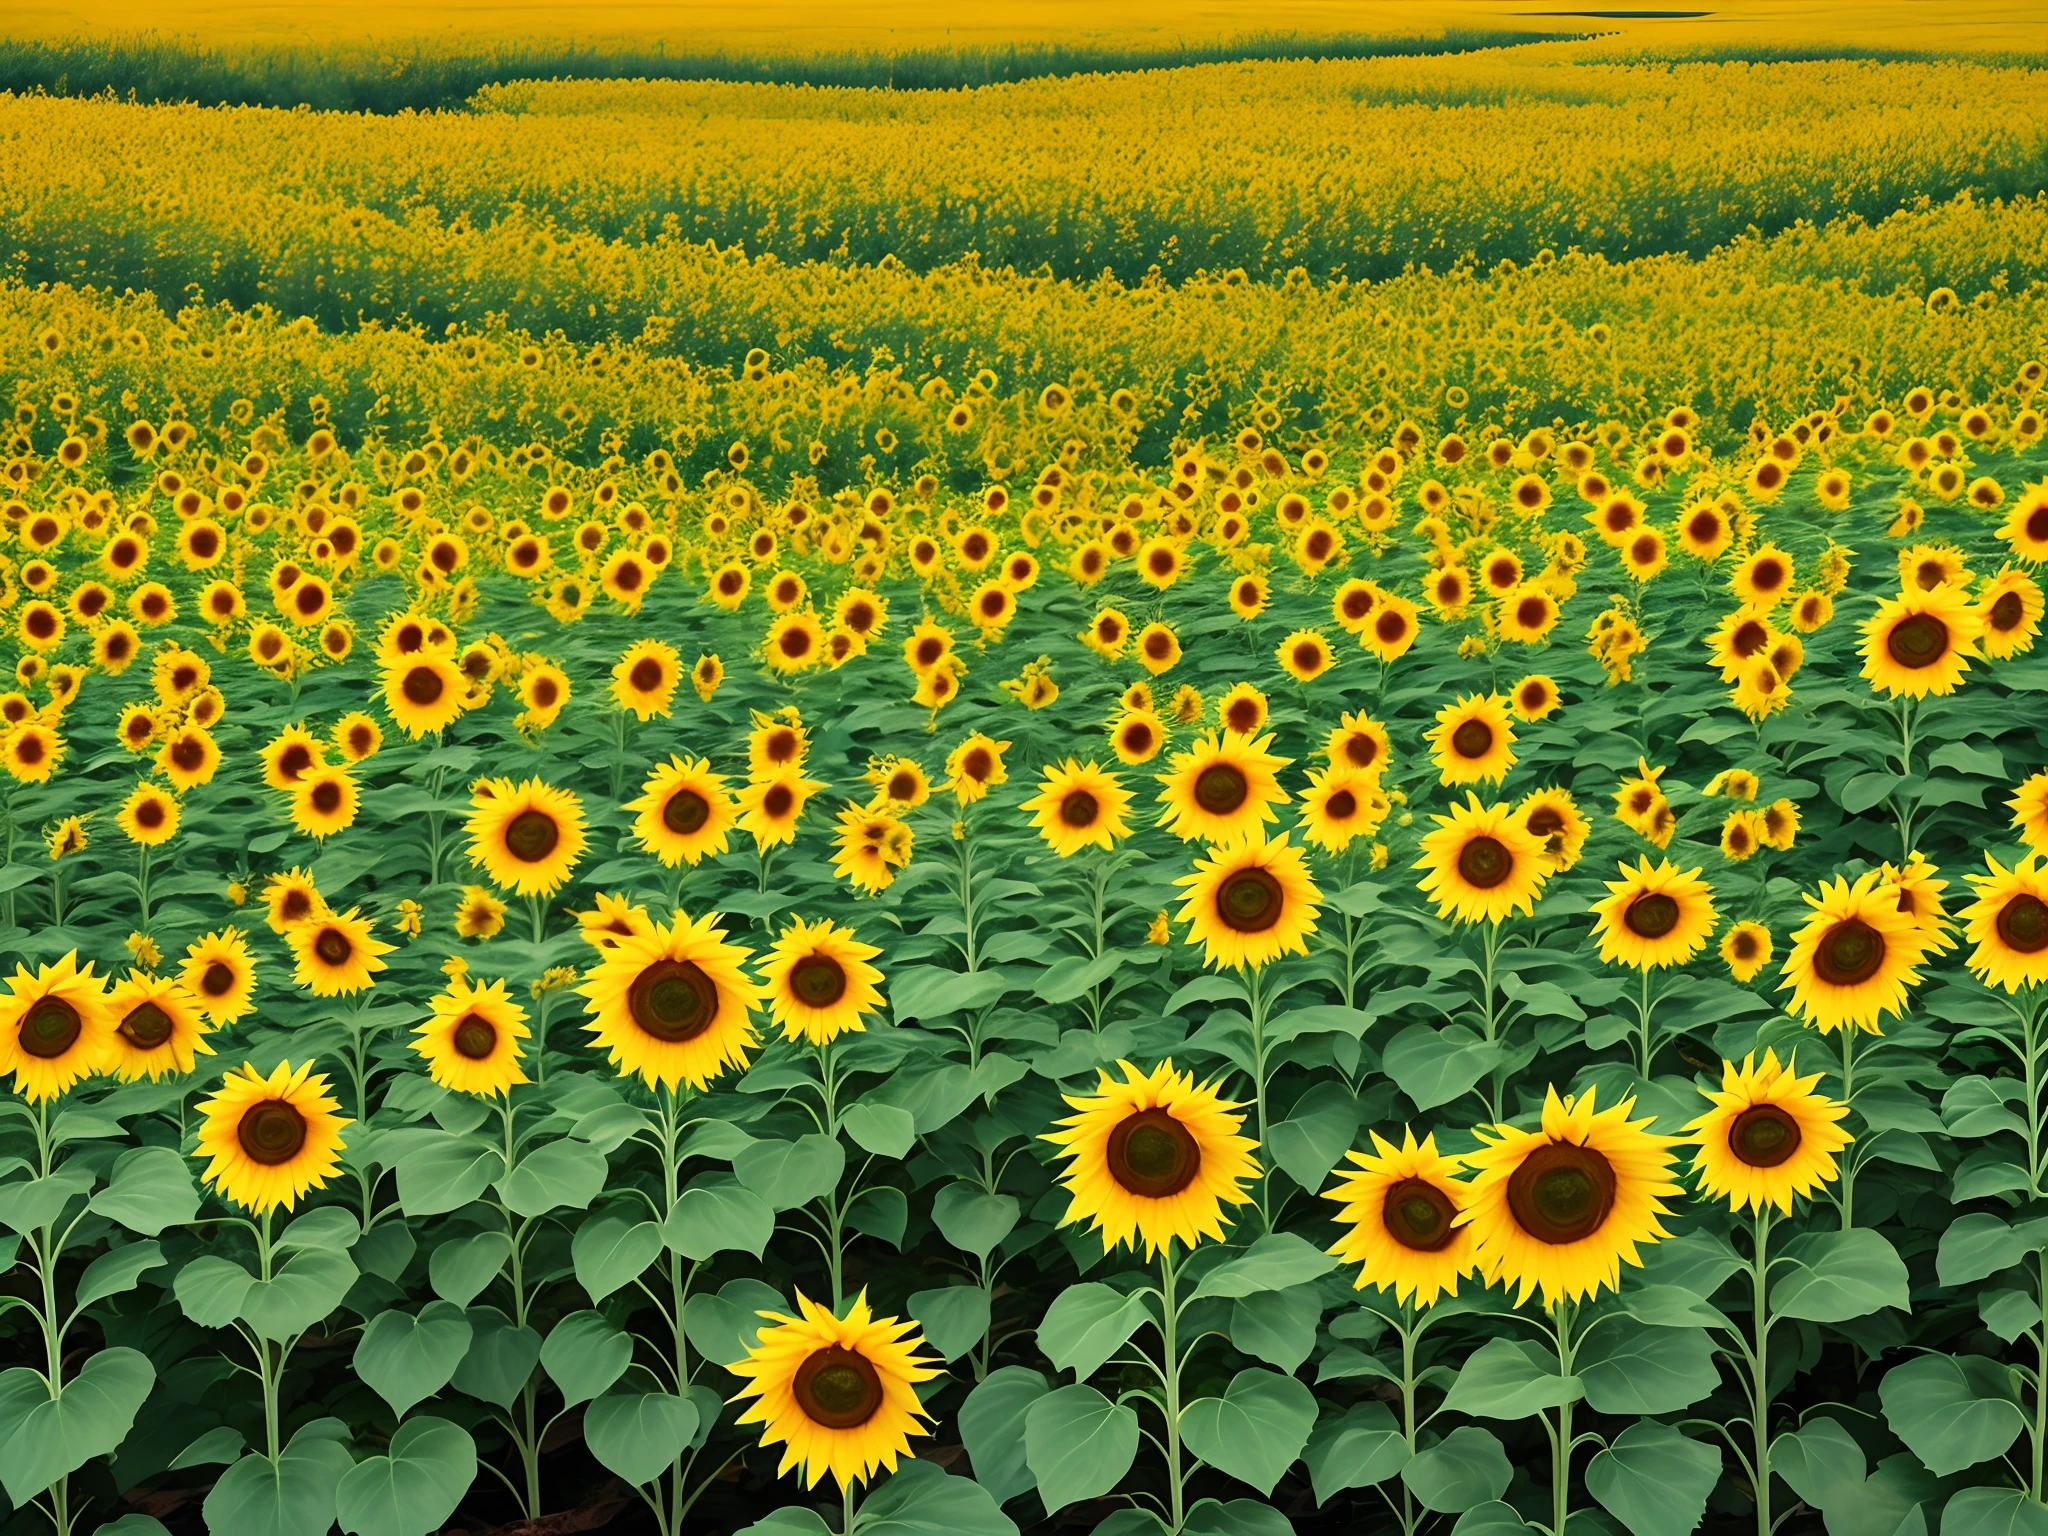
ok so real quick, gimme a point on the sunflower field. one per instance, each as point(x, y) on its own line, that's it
point(752, 808)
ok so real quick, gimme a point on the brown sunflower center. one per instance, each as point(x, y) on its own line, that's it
point(2023, 924)
point(146, 1027)
point(1152, 1154)
point(1546, 821)
point(673, 1000)
point(837, 1388)
point(333, 946)
point(1472, 739)
point(1919, 640)
point(1220, 789)
point(271, 1132)
point(1078, 808)
point(422, 686)
point(326, 797)
point(1484, 862)
point(1250, 900)
point(818, 981)
point(685, 811)
point(1763, 1136)
point(1651, 915)
point(51, 1028)
point(218, 979)
point(1341, 806)
point(532, 836)
point(1418, 1215)
point(1849, 953)
point(1361, 748)
point(2008, 612)
point(1561, 1192)
point(475, 1037)
point(646, 675)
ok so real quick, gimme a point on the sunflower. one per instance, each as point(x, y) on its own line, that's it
point(839, 1394)
point(324, 801)
point(291, 898)
point(869, 847)
point(1854, 956)
point(1534, 698)
point(683, 812)
point(293, 752)
point(1746, 950)
point(1226, 784)
point(1768, 1137)
point(1764, 578)
point(1654, 918)
point(2010, 606)
point(1553, 817)
point(157, 1028)
point(1158, 648)
point(527, 838)
point(1483, 863)
point(1921, 642)
point(1393, 628)
point(1473, 741)
point(149, 816)
point(1918, 889)
point(1251, 901)
point(644, 678)
point(819, 982)
point(335, 953)
point(268, 1140)
point(478, 913)
point(674, 1004)
point(777, 743)
point(1341, 804)
point(1155, 1158)
point(471, 1038)
point(222, 974)
point(31, 752)
point(2029, 806)
point(1401, 1205)
point(1079, 807)
point(54, 1028)
point(975, 767)
point(794, 642)
point(769, 808)
point(1137, 736)
point(2026, 526)
point(1242, 709)
point(1305, 655)
point(423, 692)
point(357, 737)
point(1562, 1208)
point(2008, 924)
point(1360, 742)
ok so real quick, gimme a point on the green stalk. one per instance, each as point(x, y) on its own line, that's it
point(1760, 1372)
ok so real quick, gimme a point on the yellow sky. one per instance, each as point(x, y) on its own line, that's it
point(794, 26)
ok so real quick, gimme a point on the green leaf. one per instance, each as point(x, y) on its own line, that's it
point(931, 992)
point(920, 1499)
point(332, 1228)
point(293, 1498)
point(1867, 790)
point(794, 1520)
point(585, 1353)
point(406, 1359)
point(972, 1219)
point(723, 1327)
point(133, 1525)
point(1631, 1367)
point(46, 1437)
point(211, 1289)
point(788, 1174)
point(461, 1268)
point(1952, 1411)
point(557, 1175)
point(151, 1189)
point(385, 1250)
point(934, 1095)
point(1654, 1480)
point(1821, 1462)
point(1067, 978)
point(992, 1428)
point(1078, 1444)
point(1994, 1512)
point(413, 1489)
point(1465, 1468)
point(881, 1210)
point(1978, 1246)
point(1492, 1519)
point(882, 1129)
point(639, 1435)
point(307, 1288)
point(1315, 1135)
point(1278, 1327)
point(1700, 1262)
point(954, 1318)
point(501, 1357)
point(718, 1214)
point(1354, 1449)
point(1273, 1263)
point(1088, 1323)
point(1255, 1430)
point(610, 1251)
point(34, 1203)
point(1240, 1517)
point(1511, 1379)
point(117, 1270)
point(1434, 1066)
point(1836, 1276)
point(446, 1173)
point(220, 1446)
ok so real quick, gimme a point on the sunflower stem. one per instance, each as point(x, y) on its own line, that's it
point(1760, 1371)
point(1258, 1012)
point(1649, 1040)
point(846, 1506)
point(1170, 1338)
point(2040, 1434)
point(142, 883)
point(1561, 1447)
point(1846, 1200)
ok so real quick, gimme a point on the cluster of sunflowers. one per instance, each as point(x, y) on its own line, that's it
point(1325, 716)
